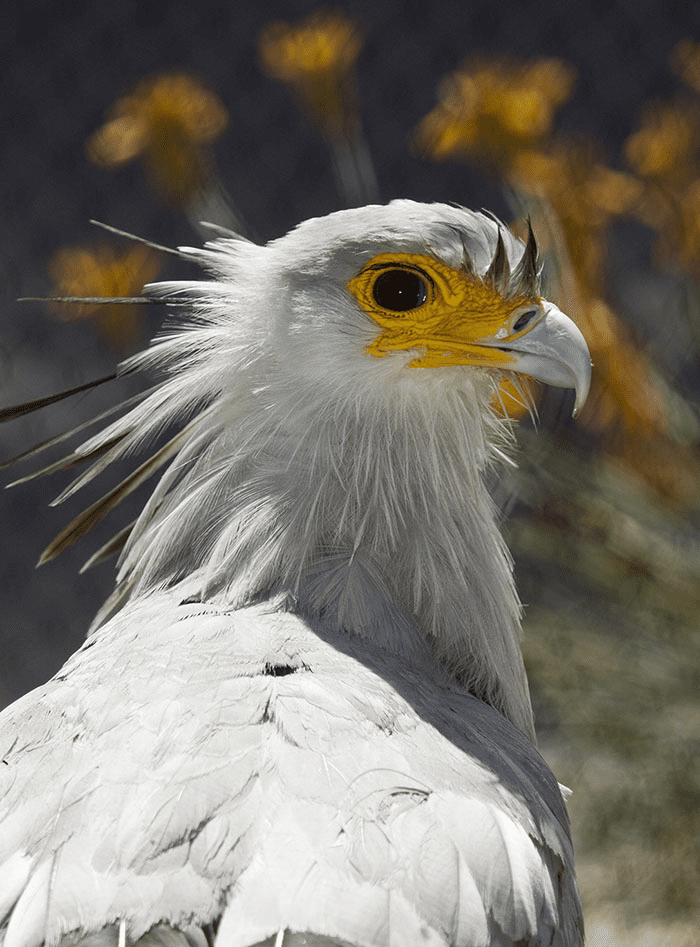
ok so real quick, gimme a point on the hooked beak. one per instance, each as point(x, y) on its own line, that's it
point(553, 351)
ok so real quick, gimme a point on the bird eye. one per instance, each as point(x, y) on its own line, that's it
point(525, 318)
point(399, 290)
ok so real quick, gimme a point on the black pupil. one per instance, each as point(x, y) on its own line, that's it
point(400, 290)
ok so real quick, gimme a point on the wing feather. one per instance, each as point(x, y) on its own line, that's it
point(27, 925)
point(14, 875)
point(247, 766)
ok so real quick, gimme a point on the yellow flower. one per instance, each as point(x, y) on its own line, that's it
point(102, 272)
point(492, 109)
point(316, 58)
point(675, 214)
point(584, 195)
point(665, 151)
point(685, 61)
point(665, 147)
point(165, 121)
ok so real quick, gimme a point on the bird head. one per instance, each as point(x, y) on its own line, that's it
point(394, 291)
point(304, 359)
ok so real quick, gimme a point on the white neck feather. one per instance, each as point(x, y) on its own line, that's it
point(351, 507)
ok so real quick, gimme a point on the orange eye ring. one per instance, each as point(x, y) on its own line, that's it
point(448, 314)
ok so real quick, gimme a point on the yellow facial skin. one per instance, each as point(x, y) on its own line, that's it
point(453, 317)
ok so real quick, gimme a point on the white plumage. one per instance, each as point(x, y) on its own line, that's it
point(304, 709)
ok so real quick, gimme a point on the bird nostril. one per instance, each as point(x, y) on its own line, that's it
point(524, 319)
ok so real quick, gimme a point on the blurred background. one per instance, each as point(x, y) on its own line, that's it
point(586, 116)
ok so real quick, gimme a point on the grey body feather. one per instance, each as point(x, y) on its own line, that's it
point(305, 708)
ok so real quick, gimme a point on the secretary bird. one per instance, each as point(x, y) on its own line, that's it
point(302, 718)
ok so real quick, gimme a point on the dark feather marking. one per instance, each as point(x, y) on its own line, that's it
point(71, 432)
point(8, 414)
point(282, 670)
point(305, 939)
point(467, 265)
point(526, 276)
point(101, 300)
point(210, 930)
point(498, 273)
point(83, 523)
point(111, 548)
point(105, 452)
point(65, 463)
point(279, 670)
